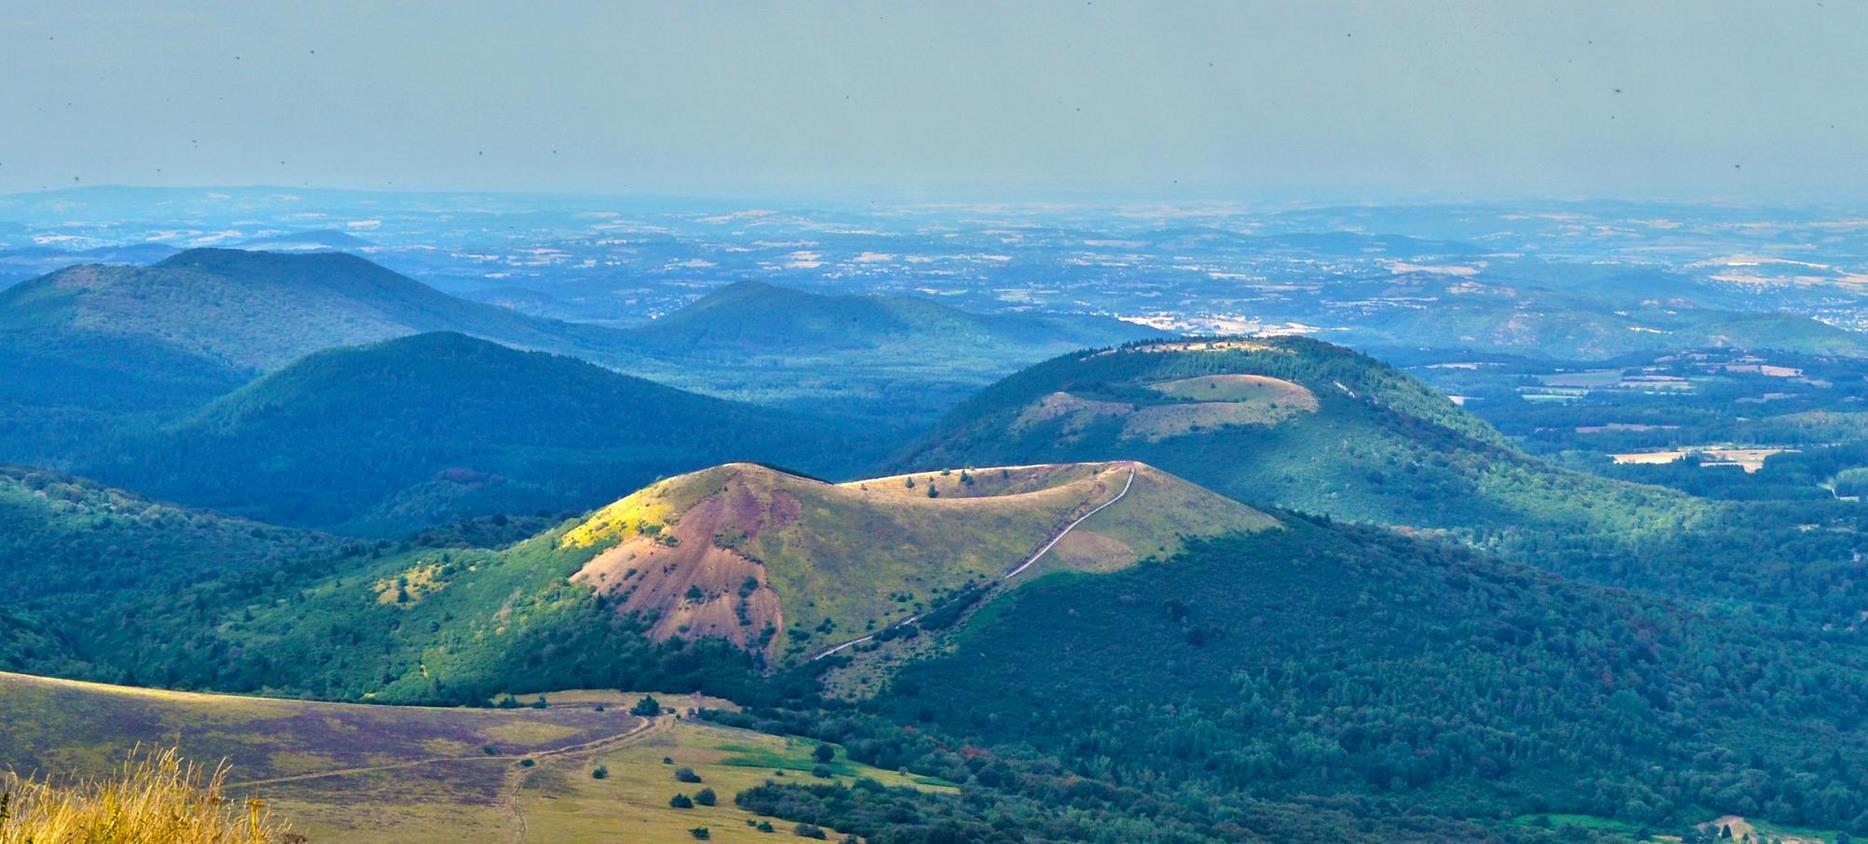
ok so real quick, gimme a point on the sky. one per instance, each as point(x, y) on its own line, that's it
point(1093, 99)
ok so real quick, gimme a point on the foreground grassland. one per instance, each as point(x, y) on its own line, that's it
point(417, 774)
point(155, 798)
point(562, 801)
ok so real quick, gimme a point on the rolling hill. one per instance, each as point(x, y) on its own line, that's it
point(1286, 421)
point(1271, 675)
point(1303, 424)
point(254, 311)
point(758, 318)
point(98, 350)
point(63, 537)
point(74, 553)
point(700, 581)
point(896, 360)
point(747, 553)
point(419, 430)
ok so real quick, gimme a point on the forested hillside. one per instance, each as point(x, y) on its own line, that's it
point(388, 438)
point(1303, 424)
point(1354, 665)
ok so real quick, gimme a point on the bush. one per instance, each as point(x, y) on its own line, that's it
point(599, 772)
point(805, 830)
point(824, 753)
point(681, 801)
point(700, 832)
point(647, 707)
point(705, 797)
point(821, 772)
point(687, 775)
point(155, 791)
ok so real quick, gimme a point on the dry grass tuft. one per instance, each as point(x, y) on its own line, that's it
point(157, 798)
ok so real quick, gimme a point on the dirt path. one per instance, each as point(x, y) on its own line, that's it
point(1018, 567)
point(594, 744)
point(514, 785)
point(1067, 528)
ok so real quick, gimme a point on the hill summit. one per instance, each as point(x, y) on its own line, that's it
point(255, 310)
point(746, 552)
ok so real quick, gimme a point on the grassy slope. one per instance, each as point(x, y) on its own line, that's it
point(1384, 448)
point(458, 624)
point(1318, 661)
point(409, 432)
point(475, 621)
point(410, 773)
point(845, 560)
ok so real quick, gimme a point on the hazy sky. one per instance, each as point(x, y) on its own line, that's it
point(952, 100)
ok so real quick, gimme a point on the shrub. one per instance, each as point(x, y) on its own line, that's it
point(681, 801)
point(824, 753)
point(805, 830)
point(647, 707)
point(599, 772)
point(705, 797)
point(700, 832)
point(687, 775)
point(821, 772)
point(158, 791)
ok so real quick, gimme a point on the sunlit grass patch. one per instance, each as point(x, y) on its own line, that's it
point(155, 798)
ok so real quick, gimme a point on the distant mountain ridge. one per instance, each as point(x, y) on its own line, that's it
point(755, 316)
point(93, 343)
point(256, 311)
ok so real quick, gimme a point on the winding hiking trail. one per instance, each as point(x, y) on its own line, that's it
point(594, 744)
point(512, 785)
point(1018, 567)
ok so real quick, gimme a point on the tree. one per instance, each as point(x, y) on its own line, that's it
point(681, 801)
point(647, 707)
point(824, 753)
point(705, 797)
